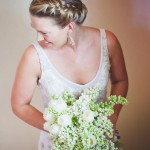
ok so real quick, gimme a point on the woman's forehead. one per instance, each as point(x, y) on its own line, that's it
point(43, 23)
point(45, 20)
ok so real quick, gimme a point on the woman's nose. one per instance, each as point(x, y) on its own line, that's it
point(39, 37)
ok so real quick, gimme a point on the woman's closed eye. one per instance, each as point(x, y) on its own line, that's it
point(43, 33)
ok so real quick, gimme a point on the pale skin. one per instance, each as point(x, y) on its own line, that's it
point(77, 63)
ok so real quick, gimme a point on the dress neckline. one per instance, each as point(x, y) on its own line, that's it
point(70, 81)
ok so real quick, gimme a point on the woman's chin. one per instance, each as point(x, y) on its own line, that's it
point(48, 44)
point(52, 45)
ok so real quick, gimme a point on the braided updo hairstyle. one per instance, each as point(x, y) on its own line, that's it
point(62, 11)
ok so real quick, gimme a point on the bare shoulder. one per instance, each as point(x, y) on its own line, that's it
point(27, 75)
point(30, 60)
point(30, 53)
point(113, 43)
point(93, 31)
point(111, 37)
point(92, 34)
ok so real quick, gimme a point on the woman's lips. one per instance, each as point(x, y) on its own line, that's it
point(46, 42)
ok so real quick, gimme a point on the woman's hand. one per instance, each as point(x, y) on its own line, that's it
point(113, 118)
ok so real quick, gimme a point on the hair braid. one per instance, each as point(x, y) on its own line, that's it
point(63, 11)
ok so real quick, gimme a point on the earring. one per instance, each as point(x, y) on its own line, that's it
point(71, 40)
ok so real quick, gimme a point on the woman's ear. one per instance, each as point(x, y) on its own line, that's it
point(71, 27)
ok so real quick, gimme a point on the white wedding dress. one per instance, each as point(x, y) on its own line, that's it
point(52, 81)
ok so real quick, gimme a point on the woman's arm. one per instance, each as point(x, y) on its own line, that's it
point(118, 73)
point(27, 75)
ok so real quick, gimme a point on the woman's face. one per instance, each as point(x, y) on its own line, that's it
point(53, 35)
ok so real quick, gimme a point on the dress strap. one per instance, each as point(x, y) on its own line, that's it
point(105, 47)
point(104, 41)
point(42, 57)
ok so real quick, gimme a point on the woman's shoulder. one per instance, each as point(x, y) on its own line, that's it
point(96, 32)
point(111, 37)
point(30, 56)
point(91, 30)
point(112, 42)
point(92, 34)
point(30, 52)
point(29, 61)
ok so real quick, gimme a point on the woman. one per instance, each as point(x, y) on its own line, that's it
point(69, 55)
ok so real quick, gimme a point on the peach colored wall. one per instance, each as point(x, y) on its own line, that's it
point(128, 19)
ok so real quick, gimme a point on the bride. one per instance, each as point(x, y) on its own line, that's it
point(70, 56)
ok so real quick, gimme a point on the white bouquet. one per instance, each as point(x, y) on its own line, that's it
point(80, 123)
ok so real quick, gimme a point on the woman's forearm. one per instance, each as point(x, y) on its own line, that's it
point(118, 88)
point(30, 115)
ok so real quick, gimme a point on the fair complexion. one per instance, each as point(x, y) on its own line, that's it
point(53, 35)
point(78, 64)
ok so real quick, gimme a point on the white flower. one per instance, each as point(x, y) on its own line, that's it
point(88, 115)
point(54, 129)
point(49, 117)
point(64, 120)
point(46, 126)
point(92, 141)
point(58, 105)
point(74, 109)
point(85, 99)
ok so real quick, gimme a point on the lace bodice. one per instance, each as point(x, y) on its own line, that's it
point(52, 82)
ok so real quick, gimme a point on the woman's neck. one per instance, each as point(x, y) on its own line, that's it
point(78, 35)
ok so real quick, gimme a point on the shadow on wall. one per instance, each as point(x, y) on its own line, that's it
point(137, 136)
point(141, 13)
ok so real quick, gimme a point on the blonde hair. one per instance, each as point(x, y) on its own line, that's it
point(62, 11)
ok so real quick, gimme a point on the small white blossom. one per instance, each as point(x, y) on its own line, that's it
point(58, 105)
point(64, 120)
point(92, 141)
point(85, 99)
point(88, 115)
point(46, 126)
point(54, 129)
point(49, 117)
point(75, 109)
